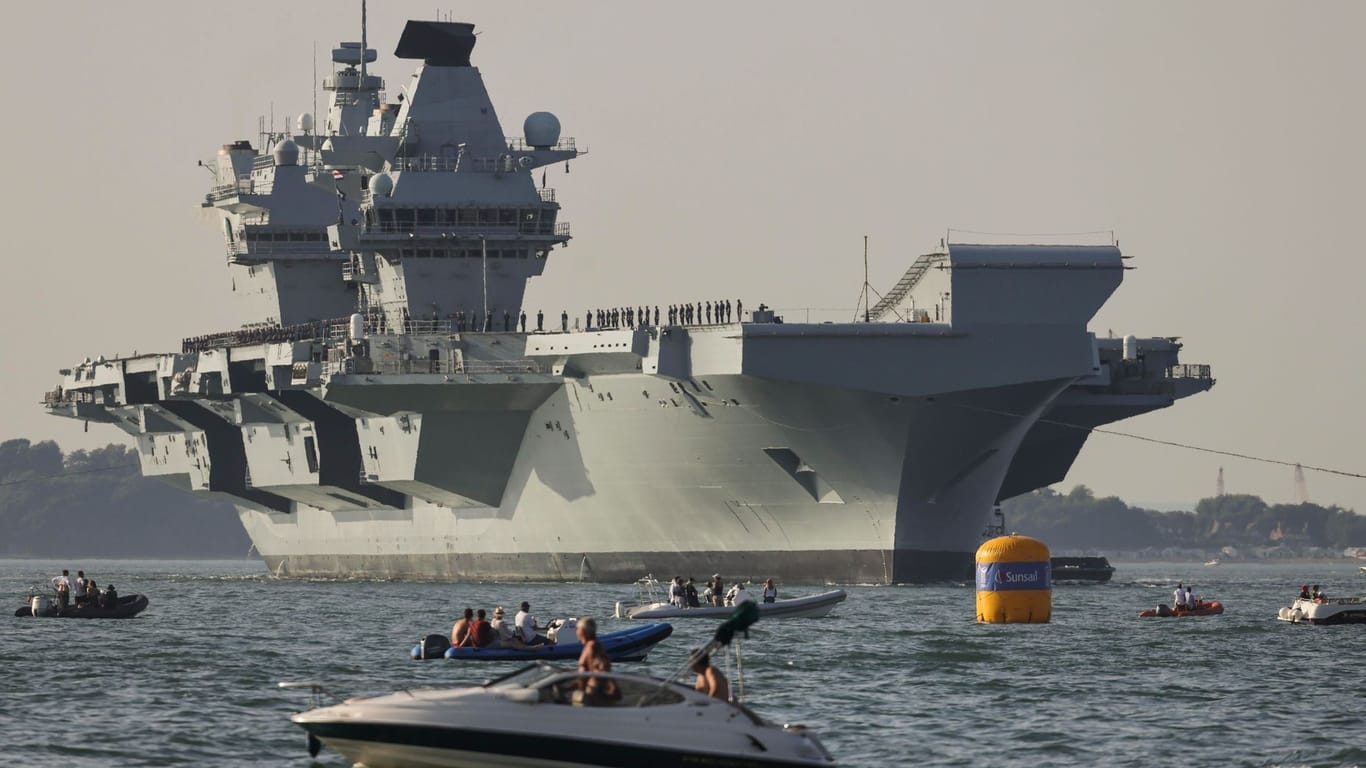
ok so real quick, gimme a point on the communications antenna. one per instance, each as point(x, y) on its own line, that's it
point(1219, 484)
point(1301, 487)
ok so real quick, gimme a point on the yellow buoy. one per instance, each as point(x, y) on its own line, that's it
point(1014, 581)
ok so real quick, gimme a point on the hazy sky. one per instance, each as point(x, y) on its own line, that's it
point(745, 149)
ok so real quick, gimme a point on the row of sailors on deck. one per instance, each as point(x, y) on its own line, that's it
point(701, 313)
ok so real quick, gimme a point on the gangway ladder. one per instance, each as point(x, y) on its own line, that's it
point(903, 286)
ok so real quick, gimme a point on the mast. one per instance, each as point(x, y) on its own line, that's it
point(865, 279)
point(362, 43)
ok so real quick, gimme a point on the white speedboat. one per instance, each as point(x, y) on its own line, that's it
point(650, 606)
point(1339, 610)
point(538, 716)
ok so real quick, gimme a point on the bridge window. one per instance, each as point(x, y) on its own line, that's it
point(488, 215)
point(468, 216)
point(426, 217)
point(404, 217)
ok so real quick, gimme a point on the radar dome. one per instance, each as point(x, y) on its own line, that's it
point(305, 123)
point(286, 152)
point(381, 185)
point(541, 129)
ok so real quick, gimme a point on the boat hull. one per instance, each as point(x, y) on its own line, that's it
point(1211, 608)
point(625, 645)
point(128, 607)
point(809, 607)
point(399, 746)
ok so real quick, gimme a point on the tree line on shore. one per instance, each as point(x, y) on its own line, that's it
point(97, 504)
point(1079, 520)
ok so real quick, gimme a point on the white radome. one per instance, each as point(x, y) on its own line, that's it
point(542, 130)
point(381, 185)
point(286, 152)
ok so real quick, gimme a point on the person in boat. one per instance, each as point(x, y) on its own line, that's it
point(481, 632)
point(111, 597)
point(1318, 596)
point(63, 586)
point(92, 593)
point(770, 592)
point(1179, 597)
point(1304, 592)
point(1191, 602)
point(594, 658)
point(500, 627)
point(739, 595)
point(527, 628)
point(460, 630)
point(690, 594)
point(79, 593)
point(718, 591)
point(677, 598)
point(709, 679)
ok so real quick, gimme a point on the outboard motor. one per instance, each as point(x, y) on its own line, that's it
point(40, 605)
point(433, 647)
point(1163, 610)
point(559, 627)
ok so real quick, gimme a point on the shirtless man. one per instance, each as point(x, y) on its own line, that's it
point(709, 679)
point(594, 659)
point(460, 631)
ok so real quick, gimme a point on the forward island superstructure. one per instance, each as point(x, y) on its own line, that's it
point(390, 413)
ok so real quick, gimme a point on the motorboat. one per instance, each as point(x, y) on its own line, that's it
point(126, 607)
point(624, 645)
point(1202, 608)
point(649, 605)
point(1080, 569)
point(1338, 610)
point(547, 716)
point(1212, 563)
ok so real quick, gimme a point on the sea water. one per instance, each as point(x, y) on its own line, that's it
point(895, 676)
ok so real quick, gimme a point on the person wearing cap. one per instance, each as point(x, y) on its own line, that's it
point(500, 627)
point(709, 679)
point(527, 629)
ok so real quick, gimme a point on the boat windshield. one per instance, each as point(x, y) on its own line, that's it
point(527, 676)
point(613, 691)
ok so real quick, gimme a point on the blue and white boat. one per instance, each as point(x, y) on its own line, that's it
point(624, 645)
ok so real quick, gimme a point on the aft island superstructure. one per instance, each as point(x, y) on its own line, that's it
point(391, 414)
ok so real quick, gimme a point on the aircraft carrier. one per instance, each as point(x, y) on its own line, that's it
point(389, 413)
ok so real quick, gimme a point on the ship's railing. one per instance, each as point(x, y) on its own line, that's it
point(547, 194)
point(519, 144)
point(1188, 371)
point(376, 324)
point(263, 334)
point(382, 228)
point(419, 365)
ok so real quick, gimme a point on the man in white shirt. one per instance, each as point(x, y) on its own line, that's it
point(1190, 599)
point(1179, 597)
point(79, 593)
point(63, 586)
point(526, 626)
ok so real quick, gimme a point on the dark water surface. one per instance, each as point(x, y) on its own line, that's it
point(898, 676)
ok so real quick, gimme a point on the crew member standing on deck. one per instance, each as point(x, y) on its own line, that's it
point(522, 320)
point(1179, 597)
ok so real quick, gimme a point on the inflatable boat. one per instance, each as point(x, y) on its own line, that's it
point(1209, 608)
point(624, 645)
point(127, 607)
